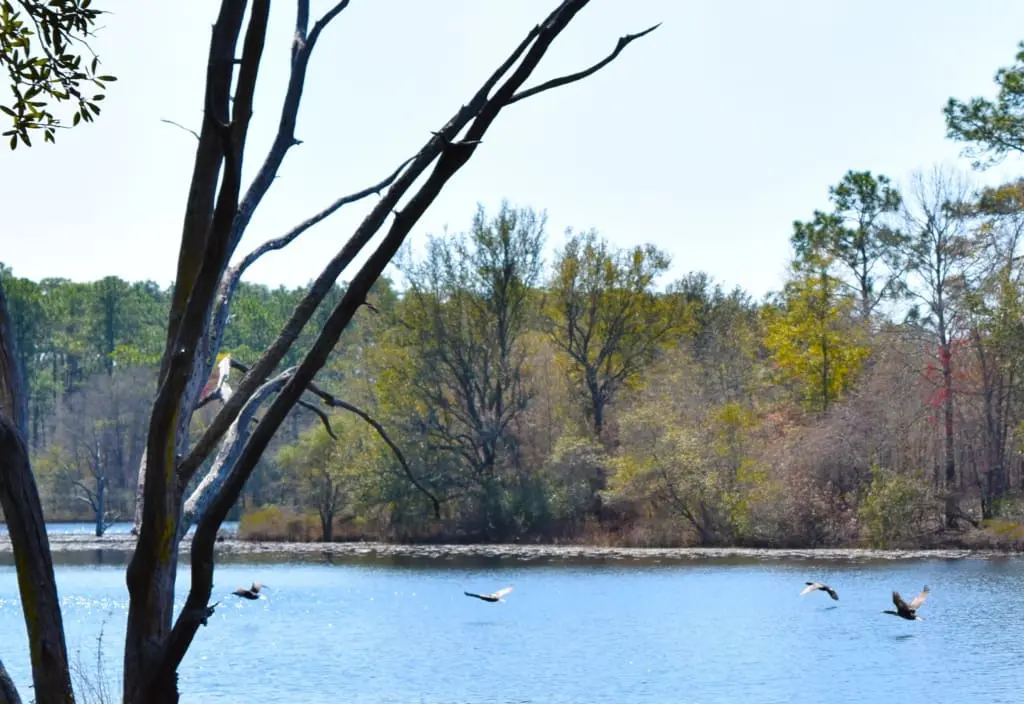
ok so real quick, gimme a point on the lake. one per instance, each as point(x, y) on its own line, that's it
point(373, 630)
point(118, 528)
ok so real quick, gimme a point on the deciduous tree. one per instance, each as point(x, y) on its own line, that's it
point(939, 251)
point(606, 316)
point(466, 312)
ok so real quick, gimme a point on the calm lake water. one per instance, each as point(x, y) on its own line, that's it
point(400, 630)
point(120, 528)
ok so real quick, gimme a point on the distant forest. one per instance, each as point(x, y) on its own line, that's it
point(875, 400)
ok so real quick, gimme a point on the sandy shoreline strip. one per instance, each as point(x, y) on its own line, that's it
point(125, 543)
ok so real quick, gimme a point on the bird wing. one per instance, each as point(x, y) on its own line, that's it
point(919, 599)
point(501, 592)
point(811, 586)
point(898, 600)
point(256, 586)
point(475, 596)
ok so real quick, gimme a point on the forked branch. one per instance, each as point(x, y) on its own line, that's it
point(300, 316)
point(572, 78)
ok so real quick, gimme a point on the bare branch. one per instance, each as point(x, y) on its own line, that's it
point(323, 418)
point(187, 129)
point(287, 238)
point(572, 78)
point(300, 317)
point(338, 403)
point(302, 48)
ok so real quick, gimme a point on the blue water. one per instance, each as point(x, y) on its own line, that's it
point(120, 528)
point(375, 631)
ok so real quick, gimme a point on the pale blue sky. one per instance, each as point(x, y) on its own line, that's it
point(707, 138)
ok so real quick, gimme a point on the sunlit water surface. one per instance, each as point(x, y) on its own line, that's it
point(402, 631)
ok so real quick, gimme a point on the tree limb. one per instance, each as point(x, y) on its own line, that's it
point(572, 78)
point(323, 418)
point(230, 449)
point(302, 49)
point(187, 129)
point(287, 238)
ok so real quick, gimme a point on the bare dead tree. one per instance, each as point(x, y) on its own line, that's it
point(216, 215)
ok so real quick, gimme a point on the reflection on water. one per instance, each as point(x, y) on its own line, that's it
point(374, 630)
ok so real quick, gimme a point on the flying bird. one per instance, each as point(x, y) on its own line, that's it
point(905, 610)
point(496, 596)
point(252, 592)
point(814, 586)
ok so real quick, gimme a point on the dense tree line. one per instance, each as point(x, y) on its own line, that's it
point(875, 398)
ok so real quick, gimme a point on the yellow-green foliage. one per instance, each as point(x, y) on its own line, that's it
point(274, 523)
point(815, 346)
point(335, 476)
point(895, 507)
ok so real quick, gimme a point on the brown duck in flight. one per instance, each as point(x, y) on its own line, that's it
point(905, 610)
point(252, 592)
point(814, 586)
point(496, 596)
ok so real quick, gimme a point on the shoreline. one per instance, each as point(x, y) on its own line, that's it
point(230, 546)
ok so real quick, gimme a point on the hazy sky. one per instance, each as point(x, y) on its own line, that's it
point(707, 138)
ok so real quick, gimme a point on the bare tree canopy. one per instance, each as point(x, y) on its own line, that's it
point(217, 212)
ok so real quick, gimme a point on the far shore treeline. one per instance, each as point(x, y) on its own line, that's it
point(873, 401)
point(877, 399)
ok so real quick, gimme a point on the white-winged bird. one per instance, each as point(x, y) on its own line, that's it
point(496, 596)
point(814, 586)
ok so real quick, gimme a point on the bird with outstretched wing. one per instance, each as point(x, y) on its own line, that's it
point(818, 586)
point(905, 610)
point(494, 596)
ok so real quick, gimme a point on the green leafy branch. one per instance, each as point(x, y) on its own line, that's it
point(37, 49)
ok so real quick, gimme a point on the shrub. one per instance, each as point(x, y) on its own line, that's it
point(274, 523)
point(895, 508)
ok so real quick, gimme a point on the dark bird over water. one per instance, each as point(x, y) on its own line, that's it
point(252, 592)
point(905, 610)
point(814, 586)
point(496, 596)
